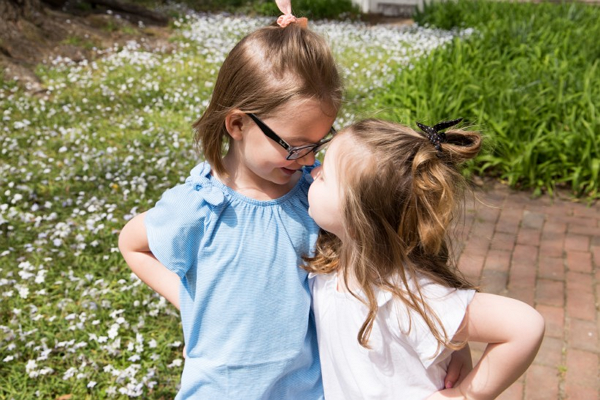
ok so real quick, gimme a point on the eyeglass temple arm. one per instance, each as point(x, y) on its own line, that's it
point(269, 132)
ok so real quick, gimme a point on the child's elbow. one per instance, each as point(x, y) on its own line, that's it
point(126, 238)
point(538, 325)
point(534, 328)
point(123, 239)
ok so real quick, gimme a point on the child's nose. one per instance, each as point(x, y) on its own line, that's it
point(315, 172)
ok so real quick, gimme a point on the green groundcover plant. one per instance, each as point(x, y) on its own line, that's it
point(108, 137)
point(529, 78)
point(313, 9)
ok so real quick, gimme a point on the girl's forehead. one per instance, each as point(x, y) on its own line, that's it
point(345, 151)
point(335, 150)
point(298, 107)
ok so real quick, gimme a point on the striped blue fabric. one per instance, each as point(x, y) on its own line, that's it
point(245, 303)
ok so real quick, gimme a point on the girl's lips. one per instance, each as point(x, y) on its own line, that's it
point(288, 171)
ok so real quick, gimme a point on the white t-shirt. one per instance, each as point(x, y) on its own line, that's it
point(402, 363)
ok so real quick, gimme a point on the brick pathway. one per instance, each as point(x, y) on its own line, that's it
point(546, 253)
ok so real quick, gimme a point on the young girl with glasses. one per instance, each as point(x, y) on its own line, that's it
point(225, 247)
point(389, 303)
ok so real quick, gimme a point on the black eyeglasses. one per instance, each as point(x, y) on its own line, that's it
point(294, 153)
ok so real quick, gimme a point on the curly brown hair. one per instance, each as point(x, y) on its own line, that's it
point(400, 197)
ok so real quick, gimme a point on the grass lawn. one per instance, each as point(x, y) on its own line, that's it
point(101, 146)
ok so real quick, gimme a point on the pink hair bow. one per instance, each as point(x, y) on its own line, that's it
point(285, 6)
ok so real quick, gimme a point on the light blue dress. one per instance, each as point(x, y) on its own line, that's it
point(245, 302)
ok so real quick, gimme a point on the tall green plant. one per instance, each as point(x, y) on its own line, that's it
point(314, 9)
point(528, 77)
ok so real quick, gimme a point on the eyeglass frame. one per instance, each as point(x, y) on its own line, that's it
point(293, 151)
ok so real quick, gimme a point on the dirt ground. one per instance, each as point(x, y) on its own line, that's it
point(77, 34)
point(77, 37)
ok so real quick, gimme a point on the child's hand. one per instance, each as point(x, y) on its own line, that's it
point(460, 366)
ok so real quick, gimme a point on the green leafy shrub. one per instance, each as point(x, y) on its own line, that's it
point(528, 77)
point(312, 9)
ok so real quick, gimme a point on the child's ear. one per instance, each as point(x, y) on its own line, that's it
point(235, 123)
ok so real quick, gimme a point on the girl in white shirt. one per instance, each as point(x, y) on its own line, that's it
point(389, 303)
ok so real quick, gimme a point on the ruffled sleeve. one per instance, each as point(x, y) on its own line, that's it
point(448, 304)
point(178, 221)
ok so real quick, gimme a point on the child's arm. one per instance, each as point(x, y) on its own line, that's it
point(133, 243)
point(513, 331)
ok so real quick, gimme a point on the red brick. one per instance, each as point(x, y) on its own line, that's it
point(555, 320)
point(529, 236)
point(520, 198)
point(558, 209)
point(503, 241)
point(577, 242)
point(584, 230)
point(524, 253)
point(525, 294)
point(550, 353)
point(582, 335)
point(537, 208)
point(551, 293)
point(507, 226)
point(460, 234)
point(522, 275)
point(580, 305)
point(483, 229)
point(585, 211)
point(494, 281)
point(582, 373)
point(551, 248)
point(471, 266)
point(579, 261)
point(497, 260)
point(552, 226)
point(511, 217)
point(512, 210)
point(575, 220)
point(541, 383)
point(532, 220)
point(574, 392)
point(551, 268)
point(514, 392)
point(580, 282)
point(476, 246)
point(596, 253)
point(477, 350)
point(489, 214)
point(496, 197)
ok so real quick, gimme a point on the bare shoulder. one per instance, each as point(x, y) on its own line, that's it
point(492, 318)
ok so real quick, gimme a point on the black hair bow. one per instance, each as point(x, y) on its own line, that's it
point(435, 134)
